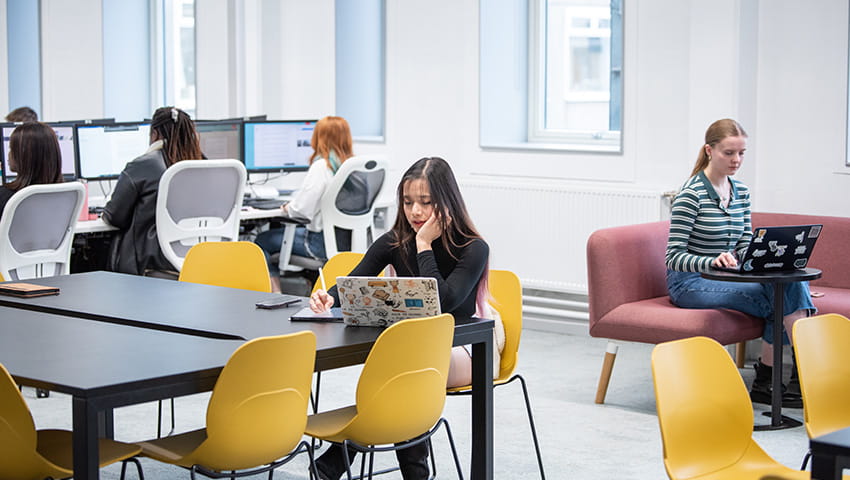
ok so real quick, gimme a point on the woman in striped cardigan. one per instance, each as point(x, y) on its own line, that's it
point(710, 227)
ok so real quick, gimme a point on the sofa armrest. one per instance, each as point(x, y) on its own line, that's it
point(625, 264)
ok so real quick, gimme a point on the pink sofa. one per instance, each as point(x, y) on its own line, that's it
point(627, 288)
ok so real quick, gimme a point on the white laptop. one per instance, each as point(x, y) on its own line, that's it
point(382, 301)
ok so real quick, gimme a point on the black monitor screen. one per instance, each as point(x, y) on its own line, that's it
point(103, 150)
point(277, 145)
point(220, 139)
point(65, 134)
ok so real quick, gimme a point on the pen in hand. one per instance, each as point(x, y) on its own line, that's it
point(320, 301)
point(322, 279)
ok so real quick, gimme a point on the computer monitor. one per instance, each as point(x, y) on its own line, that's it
point(98, 121)
point(220, 138)
point(104, 150)
point(277, 145)
point(65, 135)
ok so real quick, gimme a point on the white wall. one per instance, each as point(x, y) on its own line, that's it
point(802, 99)
point(72, 59)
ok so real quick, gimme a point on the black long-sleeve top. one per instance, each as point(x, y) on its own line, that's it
point(457, 278)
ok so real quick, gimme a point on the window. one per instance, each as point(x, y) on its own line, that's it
point(177, 55)
point(127, 60)
point(551, 74)
point(23, 31)
point(575, 82)
point(360, 45)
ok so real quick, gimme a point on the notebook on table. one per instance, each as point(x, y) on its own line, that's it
point(778, 249)
point(27, 290)
point(382, 301)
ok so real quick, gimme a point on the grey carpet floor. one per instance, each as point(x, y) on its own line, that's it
point(580, 440)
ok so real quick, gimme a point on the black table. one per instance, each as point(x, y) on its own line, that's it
point(830, 455)
point(104, 366)
point(208, 313)
point(778, 279)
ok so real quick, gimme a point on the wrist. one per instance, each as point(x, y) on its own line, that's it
point(422, 245)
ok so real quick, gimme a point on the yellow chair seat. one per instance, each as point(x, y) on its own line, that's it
point(28, 453)
point(329, 425)
point(706, 417)
point(401, 390)
point(55, 446)
point(174, 448)
point(256, 414)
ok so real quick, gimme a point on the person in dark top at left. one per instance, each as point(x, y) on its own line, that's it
point(132, 208)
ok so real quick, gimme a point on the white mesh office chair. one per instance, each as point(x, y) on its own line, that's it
point(198, 201)
point(348, 208)
point(37, 230)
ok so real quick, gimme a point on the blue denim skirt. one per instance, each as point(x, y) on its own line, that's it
point(690, 290)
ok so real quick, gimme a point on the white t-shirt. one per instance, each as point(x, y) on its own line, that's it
point(306, 204)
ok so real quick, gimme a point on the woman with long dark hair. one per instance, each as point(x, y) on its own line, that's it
point(433, 236)
point(132, 207)
point(34, 156)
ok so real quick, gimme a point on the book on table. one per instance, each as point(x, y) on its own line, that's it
point(21, 289)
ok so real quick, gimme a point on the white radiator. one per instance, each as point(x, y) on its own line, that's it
point(539, 230)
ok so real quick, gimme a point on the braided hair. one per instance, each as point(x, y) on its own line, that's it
point(177, 131)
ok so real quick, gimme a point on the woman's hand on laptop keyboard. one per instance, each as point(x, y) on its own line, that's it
point(320, 301)
point(725, 260)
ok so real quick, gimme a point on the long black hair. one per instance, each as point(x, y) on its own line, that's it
point(450, 211)
point(178, 133)
point(34, 150)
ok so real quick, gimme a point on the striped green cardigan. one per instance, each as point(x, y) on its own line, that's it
point(700, 229)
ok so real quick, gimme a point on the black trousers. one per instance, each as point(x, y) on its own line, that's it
point(413, 461)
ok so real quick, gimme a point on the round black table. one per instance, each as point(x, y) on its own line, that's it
point(778, 279)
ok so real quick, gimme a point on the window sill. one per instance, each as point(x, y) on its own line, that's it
point(556, 147)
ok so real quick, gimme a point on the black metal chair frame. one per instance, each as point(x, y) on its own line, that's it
point(528, 411)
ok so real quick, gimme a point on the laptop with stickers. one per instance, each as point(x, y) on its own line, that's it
point(382, 301)
point(778, 249)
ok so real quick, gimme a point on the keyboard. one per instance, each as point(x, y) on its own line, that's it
point(263, 203)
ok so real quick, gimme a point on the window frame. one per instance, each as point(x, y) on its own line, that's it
point(538, 134)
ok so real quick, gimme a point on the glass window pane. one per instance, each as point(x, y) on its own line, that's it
point(179, 55)
point(578, 65)
point(24, 36)
point(360, 66)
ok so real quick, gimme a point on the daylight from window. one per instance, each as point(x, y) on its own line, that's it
point(576, 71)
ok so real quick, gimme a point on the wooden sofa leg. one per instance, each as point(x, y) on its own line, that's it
point(607, 367)
point(741, 354)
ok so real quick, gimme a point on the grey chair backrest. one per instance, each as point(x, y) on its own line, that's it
point(198, 201)
point(37, 229)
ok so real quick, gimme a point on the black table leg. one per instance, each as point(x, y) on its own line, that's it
point(777, 420)
point(85, 440)
point(482, 409)
point(827, 467)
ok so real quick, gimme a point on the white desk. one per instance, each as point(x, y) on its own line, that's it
point(247, 213)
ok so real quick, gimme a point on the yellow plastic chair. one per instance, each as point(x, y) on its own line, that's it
point(705, 415)
point(28, 453)
point(400, 393)
point(506, 290)
point(823, 364)
point(256, 414)
point(222, 264)
point(339, 265)
point(227, 264)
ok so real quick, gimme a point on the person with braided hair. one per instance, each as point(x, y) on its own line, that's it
point(132, 208)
